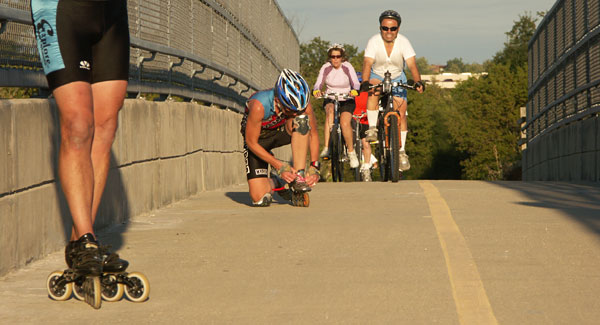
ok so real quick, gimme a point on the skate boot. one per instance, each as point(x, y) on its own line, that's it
point(111, 261)
point(300, 190)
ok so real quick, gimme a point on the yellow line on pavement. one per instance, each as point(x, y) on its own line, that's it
point(472, 303)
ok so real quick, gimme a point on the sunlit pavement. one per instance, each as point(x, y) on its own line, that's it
point(413, 252)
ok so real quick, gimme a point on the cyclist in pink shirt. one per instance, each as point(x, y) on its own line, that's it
point(339, 76)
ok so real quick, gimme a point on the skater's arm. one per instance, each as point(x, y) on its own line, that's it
point(253, 125)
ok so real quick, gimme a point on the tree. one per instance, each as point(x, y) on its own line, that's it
point(515, 48)
point(428, 141)
point(485, 123)
point(455, 65)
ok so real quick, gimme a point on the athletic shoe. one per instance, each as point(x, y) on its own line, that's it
point(404, 163)
point(371, 134)
point(353, 159)
point(366, 174)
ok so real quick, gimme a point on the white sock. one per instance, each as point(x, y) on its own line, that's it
point(372, 117)
point(403, 137)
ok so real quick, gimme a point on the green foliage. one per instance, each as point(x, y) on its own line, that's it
point(432, 152)
point(15, 92)
point(424, 66)
point(515, 49)
point(455, 65)
point(484, 123)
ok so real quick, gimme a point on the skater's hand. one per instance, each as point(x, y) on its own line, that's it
point(288, 177)
point(312, 180)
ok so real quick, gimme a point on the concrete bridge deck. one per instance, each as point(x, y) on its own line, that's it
point(415, 252)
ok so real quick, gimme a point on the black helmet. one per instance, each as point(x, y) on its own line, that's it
point(391, 14)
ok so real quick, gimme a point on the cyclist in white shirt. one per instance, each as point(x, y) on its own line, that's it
point(390, 51)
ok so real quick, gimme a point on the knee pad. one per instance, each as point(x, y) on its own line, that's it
point(301, 124)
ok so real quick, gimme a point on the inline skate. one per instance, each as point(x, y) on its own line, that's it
point(299, 189)
point(85, 271)
point(296, 192)
point(114, 280)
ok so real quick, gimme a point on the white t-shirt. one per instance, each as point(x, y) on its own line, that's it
point(394, 63)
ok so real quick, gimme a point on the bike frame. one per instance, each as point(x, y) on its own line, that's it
point(383, 123)
point(336, 154)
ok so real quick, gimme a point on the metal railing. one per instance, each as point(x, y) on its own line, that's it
point(214, 51)
point(564, 67)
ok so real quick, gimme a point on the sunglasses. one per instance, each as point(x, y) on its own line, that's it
point(385, 28)
point(335, 56)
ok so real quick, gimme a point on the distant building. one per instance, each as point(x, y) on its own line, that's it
point(437, 69)
point(449, 80)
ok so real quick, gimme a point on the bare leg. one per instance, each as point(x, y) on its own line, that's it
point(328, 123)
point(258, 187)
point(299, 146)
point(347, 130)
point(366, 151)
point(108, 100)
point(75, 169)
point(401, 105)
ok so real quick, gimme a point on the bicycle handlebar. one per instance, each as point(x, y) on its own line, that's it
point(395, 84)
point(336, 96)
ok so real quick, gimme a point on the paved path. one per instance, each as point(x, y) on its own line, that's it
point(415, 252)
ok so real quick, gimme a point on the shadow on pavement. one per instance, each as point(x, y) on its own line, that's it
point(580, 201)
point(244, 198)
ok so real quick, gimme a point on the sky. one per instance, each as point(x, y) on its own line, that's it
point(438, 30)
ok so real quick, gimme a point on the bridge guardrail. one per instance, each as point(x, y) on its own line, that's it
point(564, 66)
point(202, 78)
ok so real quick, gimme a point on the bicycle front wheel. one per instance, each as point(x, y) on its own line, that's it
point(394, 148)
point(381, 153)
point(336, 155)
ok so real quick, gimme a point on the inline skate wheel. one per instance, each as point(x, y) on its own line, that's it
point(93, 291)
point(112, 290)
point(58, 289)
point(140, 288)
point(301, 199)
point(78, 290)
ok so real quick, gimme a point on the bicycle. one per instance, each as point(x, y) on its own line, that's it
point(337, 149)
point(388, 129)
point(358, 148)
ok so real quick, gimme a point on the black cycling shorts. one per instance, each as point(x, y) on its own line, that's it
point(345, 106)
point(81, 40)
point(268, 139)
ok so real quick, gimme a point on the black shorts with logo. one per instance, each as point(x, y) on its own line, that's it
point(81, 40)
point(268, 139)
